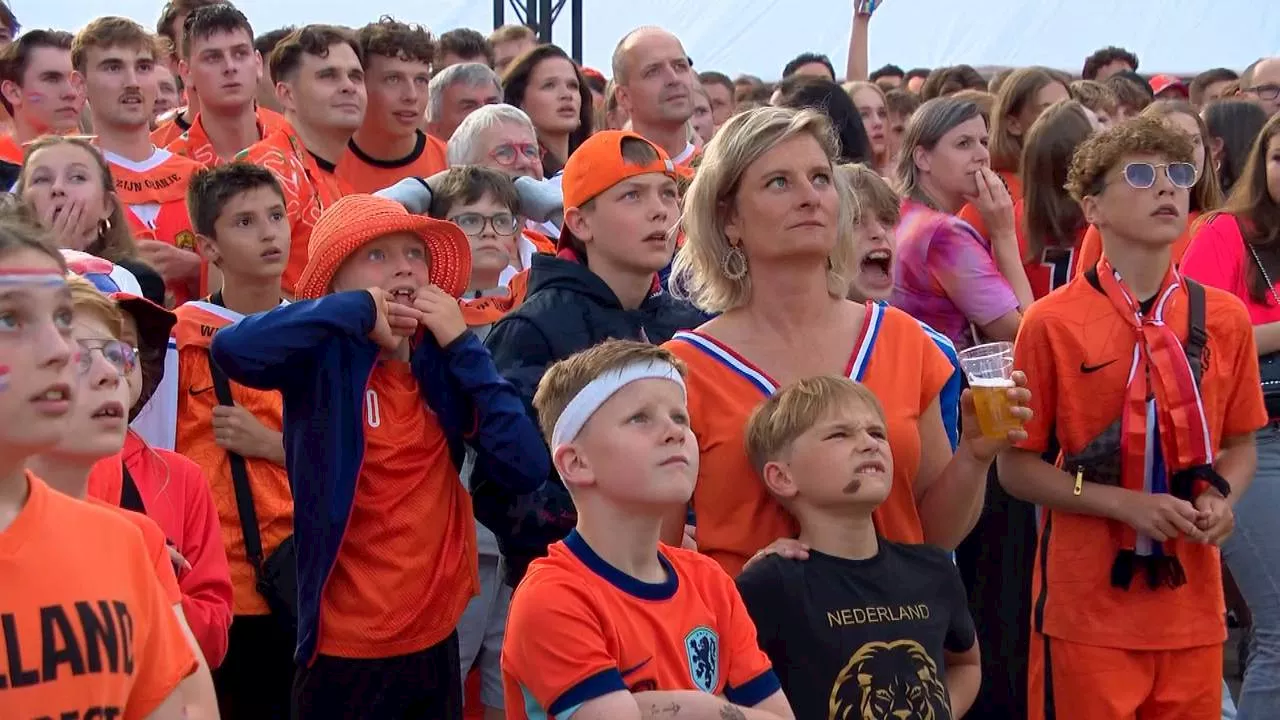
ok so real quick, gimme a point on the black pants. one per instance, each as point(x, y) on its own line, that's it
point(255, 680)
point(426, 685)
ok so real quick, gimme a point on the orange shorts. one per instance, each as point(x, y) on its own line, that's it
point(1068, 680)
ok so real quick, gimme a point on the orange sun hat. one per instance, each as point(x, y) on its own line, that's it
point(356, 220)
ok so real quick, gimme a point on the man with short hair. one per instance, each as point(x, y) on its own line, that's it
point(1212, 85)
point(915, 78)
point(220, 63)
point(462, 45)
point(889, 77)
point(37, 90)
point(115, 59)
point(456, 92)
point(172, 19)
point(390, 144)
point(812, 64)
point(1260, 82)
point(264, 44)
point(719, 89)
point(510, 42)
point(655, 86)
point(320, 83)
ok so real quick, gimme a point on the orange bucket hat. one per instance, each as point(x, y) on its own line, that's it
point(356, 220)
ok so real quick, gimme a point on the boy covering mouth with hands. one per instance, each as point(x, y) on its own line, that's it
point(385, 530)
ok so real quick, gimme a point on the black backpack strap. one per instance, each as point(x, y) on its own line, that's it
point(1197, 333)
point(239, 478)
point(130, 498)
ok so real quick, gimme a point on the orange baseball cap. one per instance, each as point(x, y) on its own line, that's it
point(356, 220)
point(598, 165)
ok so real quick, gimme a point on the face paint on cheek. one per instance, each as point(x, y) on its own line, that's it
point(4, 378)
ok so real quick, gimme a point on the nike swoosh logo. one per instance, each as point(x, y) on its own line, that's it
point(637, 668)
point(1087, 369)
point(198, 391)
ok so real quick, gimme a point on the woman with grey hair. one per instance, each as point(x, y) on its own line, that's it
point(947, 274)
point(769, 225)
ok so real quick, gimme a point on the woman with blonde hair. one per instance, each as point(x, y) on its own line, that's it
point(770, 247)
point(870, 100)
point(67, 186)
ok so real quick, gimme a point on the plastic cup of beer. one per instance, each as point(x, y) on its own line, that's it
point(989, 368)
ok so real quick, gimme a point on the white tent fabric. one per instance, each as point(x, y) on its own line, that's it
point(759, 36)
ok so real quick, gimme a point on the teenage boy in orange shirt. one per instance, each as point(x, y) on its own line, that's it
point(1149, 384)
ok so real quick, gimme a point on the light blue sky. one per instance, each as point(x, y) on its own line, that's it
point(759, 36)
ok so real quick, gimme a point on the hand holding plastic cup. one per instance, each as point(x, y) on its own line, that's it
point(989, 369)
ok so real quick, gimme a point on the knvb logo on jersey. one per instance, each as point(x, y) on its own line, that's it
point(702, 647)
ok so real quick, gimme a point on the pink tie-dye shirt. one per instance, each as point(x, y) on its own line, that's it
point(944, 274)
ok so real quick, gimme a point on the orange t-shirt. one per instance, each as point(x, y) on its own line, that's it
point(1061, 335)
point(1091, 246)
point(195, 144)
point(87, 628)
point(893, 357)
point(579, 629)
point(367, 175)
point(10, 151)
point(176, 126)
point(154, 193)
point(407, 566)
point(308, 190)
point(272, 498)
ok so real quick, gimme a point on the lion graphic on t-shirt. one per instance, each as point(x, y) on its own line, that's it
point(888, 681)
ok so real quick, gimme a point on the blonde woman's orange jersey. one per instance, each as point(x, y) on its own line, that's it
point(1091, 246)
point(1076, 350)
point(579, 629)
point(368, 175)
point(86, 627)
point(407, 566)
point(154, 193)
point(893, 357)
point(308, 190)
point(272, 498)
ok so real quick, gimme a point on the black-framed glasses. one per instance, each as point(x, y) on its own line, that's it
point(121, 356)
point(504, 224)
point(1265, 92)
point(506, 154)
point(1142, 175)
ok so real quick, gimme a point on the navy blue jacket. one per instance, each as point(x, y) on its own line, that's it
point(318, 354)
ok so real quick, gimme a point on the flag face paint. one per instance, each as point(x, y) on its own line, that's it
point(4, 378)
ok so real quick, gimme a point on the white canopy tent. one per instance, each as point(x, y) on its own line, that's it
point(759, 36)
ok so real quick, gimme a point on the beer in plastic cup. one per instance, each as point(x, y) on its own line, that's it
point(989, 369)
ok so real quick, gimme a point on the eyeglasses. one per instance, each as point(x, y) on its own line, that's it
point(121, 356)
point(473, 223)
point(1265, 92)
point(1142, 175)
point(507, 153)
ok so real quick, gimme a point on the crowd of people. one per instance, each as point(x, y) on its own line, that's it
point(373, 373)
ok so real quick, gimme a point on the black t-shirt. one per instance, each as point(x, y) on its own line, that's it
point(861, 638)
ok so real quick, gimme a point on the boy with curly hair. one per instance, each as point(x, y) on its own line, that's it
point(1149, 384)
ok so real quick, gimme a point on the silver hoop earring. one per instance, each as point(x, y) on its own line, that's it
point(734, 263)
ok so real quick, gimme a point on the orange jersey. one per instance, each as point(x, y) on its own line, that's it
point(1091, 246)
point(10, 151)
point(154, 193)
point(894, 357)
point(173, 128)
point(272, 498)
point(579, 629)
point(87, 629)
point(366, 174)
point(308, 190)
point(407, 566)
point(195, 144)
point(1076, 351)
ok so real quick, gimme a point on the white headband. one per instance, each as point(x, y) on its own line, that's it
point(598, 391)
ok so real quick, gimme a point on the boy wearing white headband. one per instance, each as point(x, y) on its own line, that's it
point(612, 624)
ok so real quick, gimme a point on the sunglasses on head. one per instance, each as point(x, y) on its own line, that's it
point(1142, 175)
point(122, 357)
